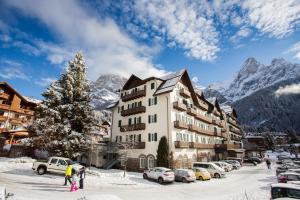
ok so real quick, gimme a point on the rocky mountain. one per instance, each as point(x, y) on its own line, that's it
point(252, 93)
point(105, 90)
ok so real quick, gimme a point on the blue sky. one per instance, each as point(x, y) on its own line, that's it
point(211, 39)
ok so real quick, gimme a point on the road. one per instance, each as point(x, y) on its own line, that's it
point(251, 183)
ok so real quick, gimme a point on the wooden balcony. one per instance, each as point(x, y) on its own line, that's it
point(134, 95)
point(133, 111)
point(192, 128)
point(192, 111)
point(185, 93)
point(4, 95)
point(179, 106)
point(197, 145)
point(3, 118)
point(133, 127)
point(235, 130)
point(181, 144)
point(25, 111)
point(217, 133)
point(233, 122)
point(180, 125)
point(233, 146)
point(203, 118)
point(4, 106)
point(217, 122)
point(205, 132)
point(133, 145)
point(203, 105)
point(17, 121)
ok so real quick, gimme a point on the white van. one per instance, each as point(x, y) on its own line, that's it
point(214, 170)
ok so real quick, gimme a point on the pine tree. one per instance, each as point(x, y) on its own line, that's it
point(163, 153)
point(64, 118)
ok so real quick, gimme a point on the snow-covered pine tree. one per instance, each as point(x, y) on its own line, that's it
point(64, 118)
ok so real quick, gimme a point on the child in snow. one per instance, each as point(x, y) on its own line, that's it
point(74, 187)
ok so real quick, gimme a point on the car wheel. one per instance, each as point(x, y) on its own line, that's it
point(217, 175)
point(41, 170)
point(184, 180)
point(200, 178)
point(160, 180)
point(145, 176)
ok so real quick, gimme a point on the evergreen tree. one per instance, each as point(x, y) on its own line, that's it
point(163, 153)
point(64, 118)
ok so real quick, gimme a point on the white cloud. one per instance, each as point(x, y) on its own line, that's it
point(182, 23)
point(10, 69)
point(195, 79)
point(244, 32)
point(289, 89)
point(45, 81)
point(106, 47)
point(274, 17)
point(295, 49)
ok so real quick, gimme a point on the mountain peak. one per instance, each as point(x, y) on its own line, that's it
point(277, 61)
point(251, 65)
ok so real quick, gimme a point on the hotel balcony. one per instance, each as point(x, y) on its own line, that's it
point(4, 95)
point(235, 130)
point(180, 125)
point(134, 95)
point(203, 105)
point(17, 120)
point(205, 132)
point(4, 106)
point(181, 144)
point(217, 133)
point(185, 93)
point(179, 106)
point(133, 127)
point(3, 118)
point(133, 111)
point(192, 111)
point(203, 118)
point(25, 111)
point(227, 146)
point(197, 145)
point(234, 123)
point(217, 122)
point(133, 145)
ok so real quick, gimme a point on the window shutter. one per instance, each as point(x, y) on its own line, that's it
point(155, 118)
point(140, 120)
point(149, 137)
point(149, 119)
point(149, 102)
point(155, 136)
point(140, 138)
point(155, 100)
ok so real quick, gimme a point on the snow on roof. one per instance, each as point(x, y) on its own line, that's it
point(227, 109)
point(32, 100)
point(170, 81)
point(253, 136)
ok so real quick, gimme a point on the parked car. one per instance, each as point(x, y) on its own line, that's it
point(288, 176)
point(226, 166)
point(185, 175)
point(160, 174)
point(248, 161)
point(285, 191)
point(214, 170)
point(54, 165)
point(280, 159)
point(285, 168)
point(240, 160)
point(202, 174)
point(256, 159)
point(235, 164)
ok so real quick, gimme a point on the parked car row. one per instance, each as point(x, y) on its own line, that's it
point(200, 171)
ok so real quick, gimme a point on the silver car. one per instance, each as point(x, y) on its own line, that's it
point(185, 175)
point(160, 174)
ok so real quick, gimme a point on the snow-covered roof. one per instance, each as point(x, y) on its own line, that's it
point(254, 136)
point(32, 100)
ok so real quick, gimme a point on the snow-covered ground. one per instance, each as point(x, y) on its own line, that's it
point(249, 183)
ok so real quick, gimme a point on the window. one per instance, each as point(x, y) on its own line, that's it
point(152, 137)
point(142, 162)
point(152, 118)
point(120, 123)
point(62, 162)
point(139, 138)
point(118, 109)
point(129, 121)
point(152, 101)
point(149, 137)
point(150, 162)
point(1, 112)
point(53, 161)
point(152, 86)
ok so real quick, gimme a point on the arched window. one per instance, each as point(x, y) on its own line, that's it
point(151, 161)
point(142, 160)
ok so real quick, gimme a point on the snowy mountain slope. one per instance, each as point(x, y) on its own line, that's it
point(105, 90)
point(255, 76)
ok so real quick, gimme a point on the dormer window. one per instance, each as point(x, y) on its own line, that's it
point(152, 86)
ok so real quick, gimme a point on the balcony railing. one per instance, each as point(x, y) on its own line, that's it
point(179, 106)
point(25, 111)
point(180, 125)
point(235, 130)
point(181, 144)
point(203, 105)
point(234, 123)
point(134, 95)
point(185, 93)
point(4, 106)
point(217, 122)
point(17, 121)
point(3, 118)
point(203, 118)
point(4, 95)
point(133, 145)
point(192, 111)
point(133, 111)
point(197, 145)
point(133, 127)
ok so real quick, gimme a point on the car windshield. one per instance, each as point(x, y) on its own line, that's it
point(285, 192)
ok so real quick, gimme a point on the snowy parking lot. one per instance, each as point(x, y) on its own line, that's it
point(249, 183)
